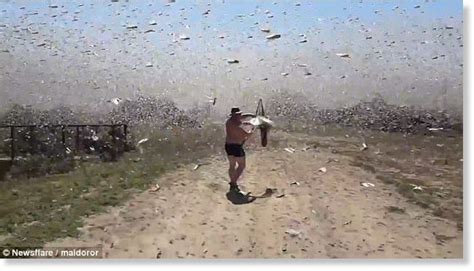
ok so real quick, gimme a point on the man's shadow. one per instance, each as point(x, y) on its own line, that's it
point(238, 198)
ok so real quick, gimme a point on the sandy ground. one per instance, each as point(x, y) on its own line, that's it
point(324, 215)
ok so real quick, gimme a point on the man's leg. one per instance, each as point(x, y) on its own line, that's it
point(232, 168)
point(240, 168)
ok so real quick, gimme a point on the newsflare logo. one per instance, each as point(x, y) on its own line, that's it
point(51, 252)
point(6, 252)
point(30, 252)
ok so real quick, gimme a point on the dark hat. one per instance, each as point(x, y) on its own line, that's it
point(235, 111)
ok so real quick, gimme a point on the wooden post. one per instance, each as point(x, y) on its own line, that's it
point(125, 131)
point(63, 135)
point(12, 143)
point(113, 133)
point(77, 139)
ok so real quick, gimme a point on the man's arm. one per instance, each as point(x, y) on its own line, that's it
point(241, 132)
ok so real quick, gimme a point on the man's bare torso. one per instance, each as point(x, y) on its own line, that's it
point(234, 133)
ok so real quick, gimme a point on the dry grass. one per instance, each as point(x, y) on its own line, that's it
point(37, 210)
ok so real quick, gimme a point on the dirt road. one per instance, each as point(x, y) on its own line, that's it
point(320, 215)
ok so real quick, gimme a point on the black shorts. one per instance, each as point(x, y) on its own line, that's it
point(236, 150)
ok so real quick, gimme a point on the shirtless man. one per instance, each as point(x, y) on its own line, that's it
point(234, 141)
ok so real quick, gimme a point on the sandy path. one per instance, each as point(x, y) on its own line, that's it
point(190, 216)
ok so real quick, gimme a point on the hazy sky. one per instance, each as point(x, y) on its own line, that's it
point(87, 52)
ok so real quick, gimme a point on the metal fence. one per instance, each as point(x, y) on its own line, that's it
point(65, 128)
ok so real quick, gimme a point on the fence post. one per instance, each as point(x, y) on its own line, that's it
point(12, 143)
point(63, 135)
point(113, 132)
point(77, 139)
